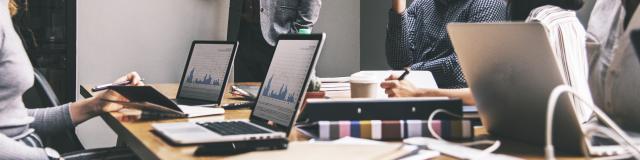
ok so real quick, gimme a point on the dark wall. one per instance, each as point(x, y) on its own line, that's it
point(373, 26)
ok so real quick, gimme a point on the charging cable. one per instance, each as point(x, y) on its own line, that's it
point(494, 144)
point(553, 99)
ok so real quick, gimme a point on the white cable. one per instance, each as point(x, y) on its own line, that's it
point(480, 142)
point(494, 144)
point(433, 114)
point(553, 98)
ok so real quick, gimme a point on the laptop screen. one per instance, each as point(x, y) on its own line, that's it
point(206, 71)
point(285, 79)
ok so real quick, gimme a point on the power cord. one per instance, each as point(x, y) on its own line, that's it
point(616, 130)
point(494, 144)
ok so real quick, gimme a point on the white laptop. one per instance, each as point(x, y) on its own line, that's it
point(277, 103)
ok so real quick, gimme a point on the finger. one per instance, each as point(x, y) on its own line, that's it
point(397, 92)
point(392, 95)
point(389, 84)
point(393, 77)
point(113, 95)
point(387, 91)
point(135, 79)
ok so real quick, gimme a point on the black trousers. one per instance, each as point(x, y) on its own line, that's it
point(254, 54)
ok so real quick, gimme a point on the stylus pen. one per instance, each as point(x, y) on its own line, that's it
point(406, 72)
point(105, 86)
point(244, 93)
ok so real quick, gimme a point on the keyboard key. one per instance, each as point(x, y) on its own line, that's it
point(232, 128)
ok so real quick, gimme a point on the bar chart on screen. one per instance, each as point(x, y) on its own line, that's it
point(285, 80)
point(206, 71)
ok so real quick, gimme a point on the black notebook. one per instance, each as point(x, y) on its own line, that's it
point(146, 98)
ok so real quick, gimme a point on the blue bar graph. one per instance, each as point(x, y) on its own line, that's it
point(282, 94)
point(206, 80)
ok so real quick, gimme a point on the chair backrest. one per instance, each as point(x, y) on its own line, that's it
point(41, 95)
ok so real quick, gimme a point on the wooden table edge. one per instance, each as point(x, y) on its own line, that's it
point(127, 137)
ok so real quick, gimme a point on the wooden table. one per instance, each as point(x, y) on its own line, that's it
point(137, 135)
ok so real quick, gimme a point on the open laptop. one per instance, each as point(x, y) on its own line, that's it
point(511, 70)
point(206, 73)
point(277, 103)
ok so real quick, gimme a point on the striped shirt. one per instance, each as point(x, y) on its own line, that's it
point(567, 37)
point(418, 37)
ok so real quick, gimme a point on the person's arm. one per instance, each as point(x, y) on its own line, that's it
point(63, 118)
point(12, 149)
point(399, 30)
point(488, 11)
point(446, 70)
point(399, 6)
point(395, 88)
point(52, 120)
point(308, 13)
point(442, 68)
point(86, 109)
point(463, 93)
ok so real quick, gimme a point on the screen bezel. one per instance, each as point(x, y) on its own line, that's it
point(287, 129)
point(226, 75)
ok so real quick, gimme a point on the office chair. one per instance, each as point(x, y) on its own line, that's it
point(41, 95)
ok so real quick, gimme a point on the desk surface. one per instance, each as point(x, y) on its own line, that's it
point(137, 135)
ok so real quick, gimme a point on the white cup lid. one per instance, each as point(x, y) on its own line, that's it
point(364, 78)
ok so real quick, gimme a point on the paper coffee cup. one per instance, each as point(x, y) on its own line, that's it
point(364, 85)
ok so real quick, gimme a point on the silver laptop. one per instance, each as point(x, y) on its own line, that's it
point(277, 103)
point(511, 69)
point(206, 73)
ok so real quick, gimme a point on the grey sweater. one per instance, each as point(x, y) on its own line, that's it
point(16, 76)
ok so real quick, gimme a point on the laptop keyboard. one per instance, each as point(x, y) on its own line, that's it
point(226, 128)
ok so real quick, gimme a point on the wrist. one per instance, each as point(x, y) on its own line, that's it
point(85, 109)
point(427, 93)
point(91, 106)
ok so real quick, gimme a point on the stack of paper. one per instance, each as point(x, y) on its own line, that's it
point(335, 84)
point(328, 150)
point(568, 39)
point(412, 151)
point(421, 79)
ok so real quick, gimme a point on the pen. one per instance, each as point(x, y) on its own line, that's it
point(406, 72)
point(244, 93)
point(105, 86)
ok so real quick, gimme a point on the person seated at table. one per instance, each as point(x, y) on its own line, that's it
point(519, 11)
point(417, 35)
point(20, 127)
point(614, 69)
